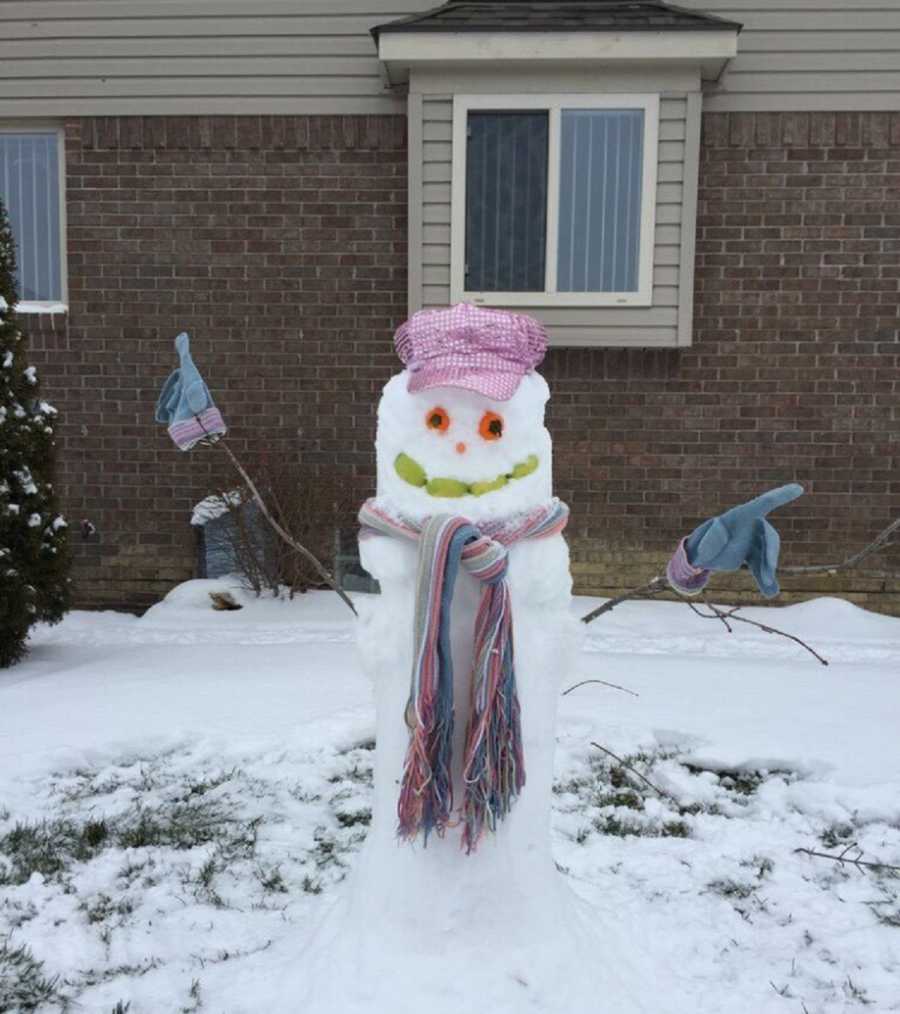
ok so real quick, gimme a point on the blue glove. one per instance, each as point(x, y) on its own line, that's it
point(741, 536)
point(186, 405)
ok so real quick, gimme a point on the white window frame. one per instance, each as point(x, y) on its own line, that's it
point(60, 305)
point(554, 104)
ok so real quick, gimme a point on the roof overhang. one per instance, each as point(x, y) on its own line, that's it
point(401, 52)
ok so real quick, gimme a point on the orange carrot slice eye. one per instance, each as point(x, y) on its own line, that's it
point(491, 426)
point(437, 419)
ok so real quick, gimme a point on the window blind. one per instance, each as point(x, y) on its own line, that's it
point(601, 173)
point(29, 186)
point(506, 201)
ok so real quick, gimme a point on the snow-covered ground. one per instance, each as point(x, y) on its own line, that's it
point(181, 794)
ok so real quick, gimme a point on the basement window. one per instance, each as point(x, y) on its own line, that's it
point(31, 188)
point(553, 199)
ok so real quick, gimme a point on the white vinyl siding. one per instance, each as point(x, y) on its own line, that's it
point(118, 57)
point(666, 322)
point(122, 57)
point(31, 190)
point(795, 55)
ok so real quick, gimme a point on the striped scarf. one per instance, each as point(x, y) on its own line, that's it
point(493, 767)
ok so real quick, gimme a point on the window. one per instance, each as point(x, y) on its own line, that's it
point(30, 163)
point(554, 199)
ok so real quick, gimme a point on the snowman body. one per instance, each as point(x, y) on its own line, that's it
point(426, 925)
point(463, 448)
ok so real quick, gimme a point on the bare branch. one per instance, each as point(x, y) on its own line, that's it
point(731, 614)
point(717, 614)
point(659, 584)
point(881, 542)
point(615, 686)
point(302, 550)
point(643, 778)
point(646, 591)
point(860, 864)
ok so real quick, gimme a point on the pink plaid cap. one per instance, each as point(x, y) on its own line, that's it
point(473, 347)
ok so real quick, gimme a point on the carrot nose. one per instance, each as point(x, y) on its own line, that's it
point(461, 448)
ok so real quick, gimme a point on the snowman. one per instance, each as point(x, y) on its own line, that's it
point(456, 902)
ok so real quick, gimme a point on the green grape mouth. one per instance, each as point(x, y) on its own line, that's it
point(412, 472)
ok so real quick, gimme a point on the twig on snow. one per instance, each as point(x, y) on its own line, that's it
point(615, 686)
point(843, 859)
point(643, 778)
point(292, 542)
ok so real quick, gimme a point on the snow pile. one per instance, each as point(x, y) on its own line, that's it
point(182, 794)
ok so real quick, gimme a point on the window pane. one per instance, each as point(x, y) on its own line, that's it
point(29, 185)
point(601, 171)
point(506, 201)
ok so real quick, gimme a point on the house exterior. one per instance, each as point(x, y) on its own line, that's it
point(701, 202)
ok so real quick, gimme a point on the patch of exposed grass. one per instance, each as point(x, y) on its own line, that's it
point(271, 880)
point(23, 985)
point(185, 826)
point(357, 818)
point(188, 829)
point(48, 848)
point(16, 913)
point(762, 865)
point(837, 835)
point(311, 886)
point(95, 833)
point(614, 797)
point(51, 847)
point(729, 888)
point(94, 976)
point(203, 884)
point(741, 782)
point(204, 785)
point(102, 908)
point(195, 999)
point(327, 850)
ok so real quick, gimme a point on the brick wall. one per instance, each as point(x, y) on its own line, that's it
point(280, 243)
point(794, 374)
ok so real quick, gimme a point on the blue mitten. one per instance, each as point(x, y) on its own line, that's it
point(185, 403)
point(741, 536)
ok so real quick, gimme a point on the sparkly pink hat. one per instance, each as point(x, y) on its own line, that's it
point(473, 347)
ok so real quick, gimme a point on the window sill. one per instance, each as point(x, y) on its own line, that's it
point(37, 306)
point(599, 300)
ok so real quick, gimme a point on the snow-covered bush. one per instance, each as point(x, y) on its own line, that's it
point(34, 558)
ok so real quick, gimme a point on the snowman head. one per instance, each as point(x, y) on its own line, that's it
point(461, 430)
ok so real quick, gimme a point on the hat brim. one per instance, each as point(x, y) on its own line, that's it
point(497, 382)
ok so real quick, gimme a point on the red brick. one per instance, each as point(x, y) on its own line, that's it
point(279, 242)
